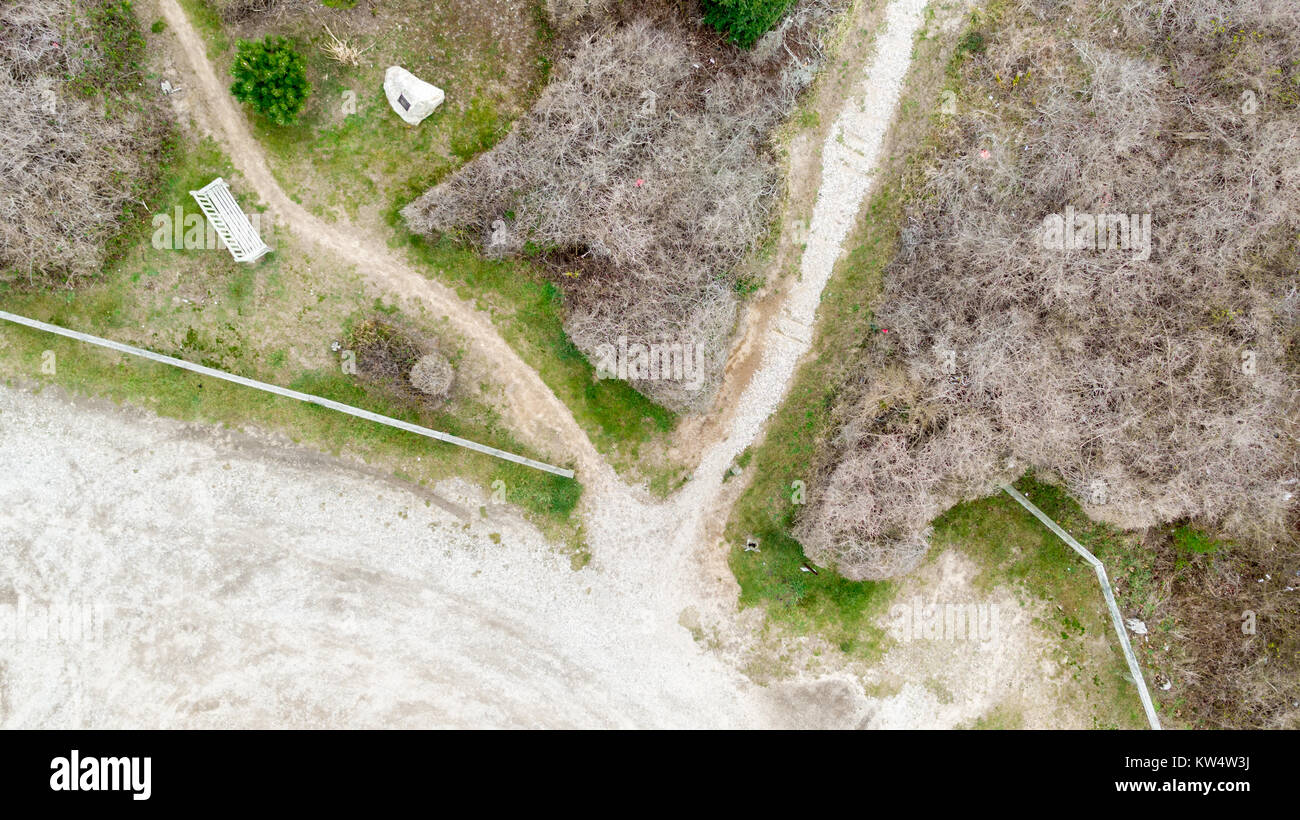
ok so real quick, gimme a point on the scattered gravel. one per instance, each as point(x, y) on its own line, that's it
point(253, 585)
point(235, 582)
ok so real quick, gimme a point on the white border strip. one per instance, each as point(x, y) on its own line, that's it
point(290, 394)
point(1115, 617)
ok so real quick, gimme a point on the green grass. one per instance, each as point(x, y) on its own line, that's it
point(110, 32)
point(839, 609)
point(201, 306)
point(208, 22)
point(526, 308)
point(744, 21)
point(1000, 717)
point(478, 130)
point(349, 156)
point(1010, 545)
point(1191, 541)
point(176, 393)
point(1012, 548)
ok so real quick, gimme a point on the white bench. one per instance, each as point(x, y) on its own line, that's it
point(230, 222)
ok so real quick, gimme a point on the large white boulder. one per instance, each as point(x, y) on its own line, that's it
point(412, 98)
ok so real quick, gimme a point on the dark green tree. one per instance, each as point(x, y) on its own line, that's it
point(744, 21)
point(271, 75)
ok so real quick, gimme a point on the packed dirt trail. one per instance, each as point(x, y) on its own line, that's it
point(533, 408)
point(678, 540)
point(651, 561)
point(669, 551)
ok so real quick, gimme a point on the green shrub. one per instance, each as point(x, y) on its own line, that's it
point(744, 21)
point(158, 26)
point(111, 47)
point(1189, 540)
point(972, 42)
point(271, 76)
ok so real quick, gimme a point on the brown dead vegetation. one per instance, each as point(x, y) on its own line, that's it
point(641, 177)
point(407, 366)
point(79, 140)
point(235, 10)
point(1124, 377)
point(1225, 632)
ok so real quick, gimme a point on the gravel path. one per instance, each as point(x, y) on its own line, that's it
point(256, 588)
point(849, 157)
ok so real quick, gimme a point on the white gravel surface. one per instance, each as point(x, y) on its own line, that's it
point(245, 583)
point(849, 157)
point(251, 584)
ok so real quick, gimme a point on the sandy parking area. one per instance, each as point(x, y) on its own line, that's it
point(229, 580)
point(248, 583)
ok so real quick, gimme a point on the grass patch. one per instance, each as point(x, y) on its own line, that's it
point(349, 156)
point(1014, 549)
point(179, 394)
point(1000, 717)
point(526, 309)
point(208, 22)
point(838, 609)
point(272, 321)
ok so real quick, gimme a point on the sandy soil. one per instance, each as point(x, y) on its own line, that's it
point(533, 408)
point(951, 681)
point(227, 580)
point(249, 583)
point(245, 582)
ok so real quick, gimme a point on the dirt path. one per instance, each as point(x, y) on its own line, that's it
point(532, 407)
point(610, 635)
point(671, 547)
point(849, 158)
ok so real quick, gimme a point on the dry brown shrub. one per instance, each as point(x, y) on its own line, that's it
point(432, 375)
point(671, 106)
point(235, 10)
point(1120, 376)
point(70, 164)
point(567, 15)
point(399, 361)
point(1221, 675)
point(344, 52)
